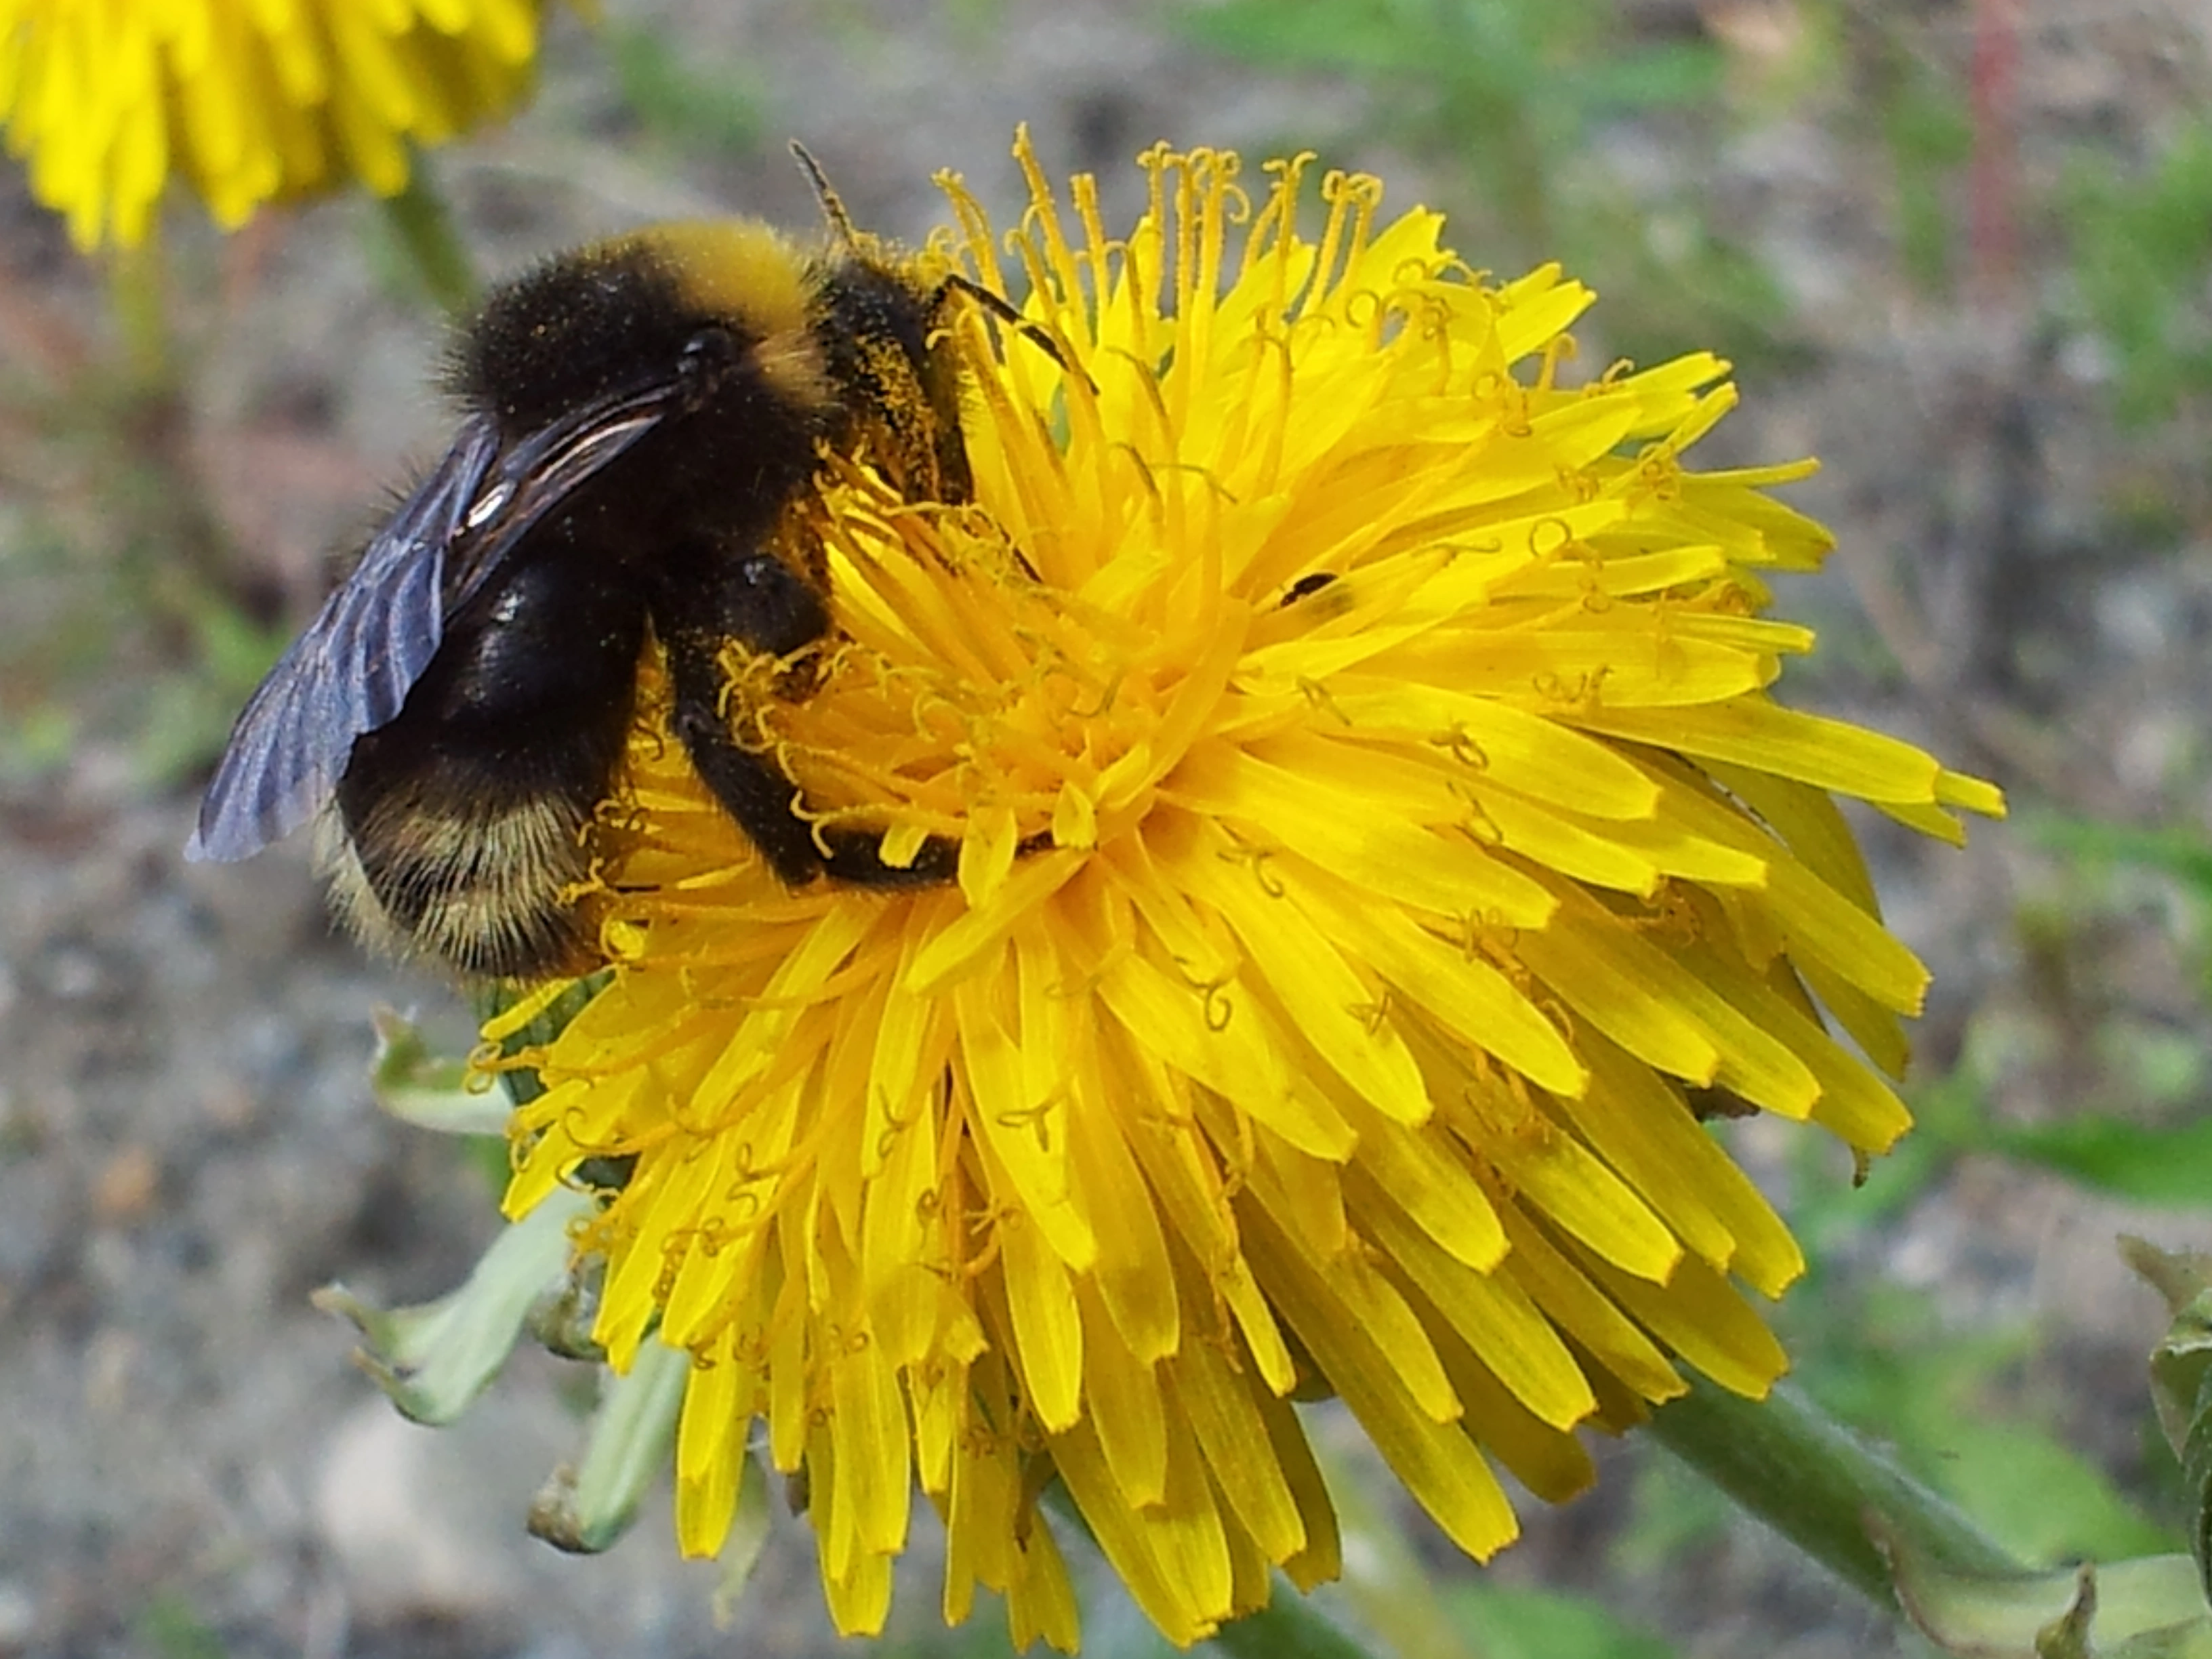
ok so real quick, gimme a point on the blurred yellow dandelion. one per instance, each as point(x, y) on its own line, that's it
point(1373, 819)
point(248, 101)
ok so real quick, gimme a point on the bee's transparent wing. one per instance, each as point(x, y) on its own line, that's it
point(542, 471)
point(349, 672)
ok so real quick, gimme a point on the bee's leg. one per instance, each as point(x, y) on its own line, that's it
point(763, 605)
point(751, 787)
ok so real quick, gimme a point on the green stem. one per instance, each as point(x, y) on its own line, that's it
point(1812, 1480)
point(1822, 1487)
point(138, 291)
point(425, 226)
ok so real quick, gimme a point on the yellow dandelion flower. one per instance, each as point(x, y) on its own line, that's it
point(1374, 823)
point(248, 101)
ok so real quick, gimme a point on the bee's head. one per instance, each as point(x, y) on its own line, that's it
point(718, 311)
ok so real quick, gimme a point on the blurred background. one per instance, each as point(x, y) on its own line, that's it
point(1961, 250)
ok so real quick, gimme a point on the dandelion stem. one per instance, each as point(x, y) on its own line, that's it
point(1822, 1487)
point(425, 227)
point(138, 291)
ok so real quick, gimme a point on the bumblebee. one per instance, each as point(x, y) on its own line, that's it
point(640, 418)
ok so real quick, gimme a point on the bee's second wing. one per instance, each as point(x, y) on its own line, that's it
point(351, 671)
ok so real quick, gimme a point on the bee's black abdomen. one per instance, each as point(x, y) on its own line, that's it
point(461, 825)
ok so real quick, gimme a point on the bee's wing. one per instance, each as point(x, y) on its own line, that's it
point(350, 672)
point(535, 476)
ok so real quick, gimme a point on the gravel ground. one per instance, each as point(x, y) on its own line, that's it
point(189, 1465)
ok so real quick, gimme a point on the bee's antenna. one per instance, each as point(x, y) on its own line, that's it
point(999, 307)
point(833, 209)
point(1003, 309)
point(840, 224)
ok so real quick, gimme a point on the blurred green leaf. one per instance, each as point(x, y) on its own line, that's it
point(2041, 1499)
point(2161, 1072)
point(2184, 854)
point(187, 713)
point(1353, 34)
point(235, 650)
point(1830, 1210)
point(2142, 250)
point(1674, 1515)
point(37, 742)
point(172, 1628)
point(1929, 137)
point(2146, 1165)
point(704, 106)
point(1665, 75)
point(1506, 1623)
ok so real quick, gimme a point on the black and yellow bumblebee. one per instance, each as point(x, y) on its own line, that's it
point(640, 417)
